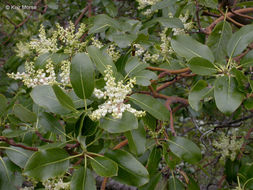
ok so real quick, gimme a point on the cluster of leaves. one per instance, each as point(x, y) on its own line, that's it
point(202, 86)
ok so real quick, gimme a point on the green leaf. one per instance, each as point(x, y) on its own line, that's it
point(188, 47)
point(48, 163)
point(126, 123)
point(24, 114)
point(154, 160)
point(217, 40)
point(104, 166)
point(83, 180)
point(170, 22)
point(3, 104)
point(45, 97)
point(50, 124)
point(137, 140)
point(133, 66)
point(123, 40)
point(202, 66)
point(131, 171)
point(185, 149)
point(63, 98)
point(175, 184)
point(17, 155)
point(227, 97)
point(151, 185)
point(82, 75)
point(151, 105)
point(192, 185)
point(240, 40)
point(197, 93)
point(101, 60)
point(102, 22)
point(248, 104)
point(247, 60)
point(143, 77)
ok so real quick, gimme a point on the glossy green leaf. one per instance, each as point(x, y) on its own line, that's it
point(137, 139)
point(24, 114)
point(45, 97)
point(188, 47)
point(46, 164)
point(247, 60)
point(100, 59)
point(202, 66)
point(104, 166)
point(153, 161)
point(143, 78)
point(49, 123)
point(133, 66)
point(82, 180)
point(152, 184)
point(175, 184)
point(185, 149)
point(126, 123)
point(82, 75)
point(131, 171)
point(197, 93)
point(19, 156)
point(227, 97)
point(63, 98)
point(217, 40)
point(151, 105)
point(248, 104)
point(102, 22)
point(240, 40)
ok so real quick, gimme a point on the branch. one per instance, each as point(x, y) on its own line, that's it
point(81, 15)
point(13, 143)
point(230, 14)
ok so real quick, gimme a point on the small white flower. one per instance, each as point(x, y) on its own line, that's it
point(115, 93)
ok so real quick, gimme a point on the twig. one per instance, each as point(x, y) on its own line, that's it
point(81, 15)
point(13, 143)
point(167, 104)
point(22, 23)
point(42, 138)
point(230, 14)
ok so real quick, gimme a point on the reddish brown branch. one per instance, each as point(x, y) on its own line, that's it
point(21, 24)
point(167, 104)
point(230, 14)
point(169, 71)
point(81, 15)
point(13, 143)
point(42, 138)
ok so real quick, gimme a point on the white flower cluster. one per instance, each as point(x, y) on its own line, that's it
point(23, 49)
point(44, 44)
point(139, 51)
point(56, 184)
point(32, 78)
point(187, 26)
point(113, 53)
point(144, 3)
point(228, 146)
point(69, 40)
point(65, 79)
point(115, 93)
point(165, 45)
point(95, 42)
